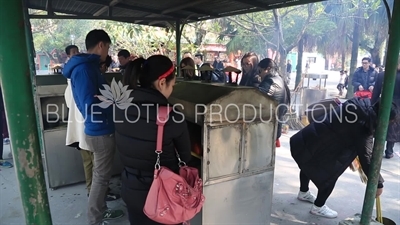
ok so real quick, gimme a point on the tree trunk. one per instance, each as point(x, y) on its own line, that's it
point(343, 59)
point(354, 53)
point(299, 67)
point(327, 64)
point(375, 55)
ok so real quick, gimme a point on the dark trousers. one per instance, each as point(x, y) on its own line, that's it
point(279, 131)
point(135, 187)
point(322, 195)
point(389, 148)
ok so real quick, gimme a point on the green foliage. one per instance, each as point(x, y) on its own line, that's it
point(56, 34)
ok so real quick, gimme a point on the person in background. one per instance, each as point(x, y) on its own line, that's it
point(342, 79)
point(71, 50)
point(86, 81)
point(324, 149)
point(136, 141)
point(124, 56)
point(198, 60)
point(288, 70)
point(273, 85)
point(187, 55)
point(218, 65)
point(187, 73)
point(364, 77)
point(346, 80)
point(393, 133)
point(3, 126)
point(249, 64)
point(105, 65)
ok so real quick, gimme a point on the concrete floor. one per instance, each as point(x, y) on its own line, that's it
point(68, 204)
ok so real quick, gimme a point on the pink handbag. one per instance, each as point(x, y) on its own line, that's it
point(173, 198)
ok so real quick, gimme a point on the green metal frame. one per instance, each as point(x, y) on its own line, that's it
point(384, 113)
point(16, 83)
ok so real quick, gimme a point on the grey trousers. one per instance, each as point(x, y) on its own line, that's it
point(104, 151)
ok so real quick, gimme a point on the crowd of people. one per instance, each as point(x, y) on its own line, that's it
point(322, 150)
point(152, 80)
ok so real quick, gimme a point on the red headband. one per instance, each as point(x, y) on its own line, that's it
point(166, 74)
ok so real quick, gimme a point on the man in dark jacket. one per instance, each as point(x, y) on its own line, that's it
point(393, 134)
point(86, 80)
point(327, 146)
point(364, 77)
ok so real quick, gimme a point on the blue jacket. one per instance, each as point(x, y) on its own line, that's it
point(86, 80)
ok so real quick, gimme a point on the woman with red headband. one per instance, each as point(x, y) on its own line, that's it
point(152, 82)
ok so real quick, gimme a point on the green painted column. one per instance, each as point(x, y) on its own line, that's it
point(178, 35)
point(384, 113)
point(16, 83)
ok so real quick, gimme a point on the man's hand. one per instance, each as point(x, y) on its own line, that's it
point(371, 88)
point(360, 88)
point(379, 192)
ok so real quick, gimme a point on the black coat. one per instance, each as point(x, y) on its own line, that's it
point(394, 126)
point(366, 79)
point(324, 149)
point(274, 86)
point(137, 133)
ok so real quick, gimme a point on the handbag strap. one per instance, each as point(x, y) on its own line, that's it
point(162, 118)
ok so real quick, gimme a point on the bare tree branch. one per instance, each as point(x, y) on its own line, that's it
point(301, 33)
point(283, 15)
point(252, 30)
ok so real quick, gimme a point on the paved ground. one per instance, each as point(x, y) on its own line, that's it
point(68, 204)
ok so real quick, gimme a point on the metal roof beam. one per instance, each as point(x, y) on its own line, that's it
point(130, 7)
point(200, 12)
point(90, 17)
point(106, 8)
point(184, 6)
point(49, 7)
point(275, 4)
point(31, 6)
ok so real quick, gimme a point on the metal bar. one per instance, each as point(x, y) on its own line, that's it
point(184, 6)
point(178, 33)
point(106, 8)
point(49, 7)
point(20, 112)
point(89, 17)
point(31, 58)
point(384, 113)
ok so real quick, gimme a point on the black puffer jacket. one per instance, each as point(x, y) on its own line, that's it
point(274, 86)
point(366, 79)
point(394, 126)
point(324, 150)
point(136, 135)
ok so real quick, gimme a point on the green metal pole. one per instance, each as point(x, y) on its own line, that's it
point(384, 113)
point(31, 58)
point(16, 84)
point(178, 33)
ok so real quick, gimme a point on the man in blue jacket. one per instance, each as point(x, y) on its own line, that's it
point(86, 81)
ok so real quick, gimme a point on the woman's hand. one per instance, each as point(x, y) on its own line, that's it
point(379, 192)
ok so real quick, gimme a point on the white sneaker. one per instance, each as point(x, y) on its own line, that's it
point(323, 211)
point(306, 196)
